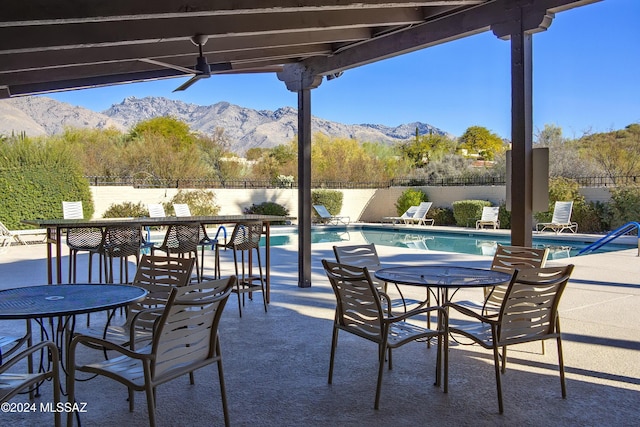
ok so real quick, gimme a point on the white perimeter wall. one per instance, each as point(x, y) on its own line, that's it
point(360, 205)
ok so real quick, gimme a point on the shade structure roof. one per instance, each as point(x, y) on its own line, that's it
point(52, 45)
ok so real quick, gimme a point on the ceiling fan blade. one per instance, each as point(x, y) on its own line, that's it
point(189, 82)
point(175, 67)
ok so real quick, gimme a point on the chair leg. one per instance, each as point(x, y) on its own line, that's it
point(216, 263)
point(71, 266)
point(334, 344)
point(560, 360)
point(504, 359)
point(150, 392)
point(496, 363)
point(239, 279)
point(223, 390)
point(202, 247)
point(381, 354)
point(264, 294)
point(197, 267)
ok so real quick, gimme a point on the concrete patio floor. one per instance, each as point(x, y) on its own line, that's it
point(276, 363)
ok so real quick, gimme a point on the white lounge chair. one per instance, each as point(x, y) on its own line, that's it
point(489, 216)
point(561, 219)
point(420, 216)
point(6, 235)
point(327, 218)
point(156, 210)
point(409, 213)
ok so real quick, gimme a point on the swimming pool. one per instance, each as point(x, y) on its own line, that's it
point(466, 243)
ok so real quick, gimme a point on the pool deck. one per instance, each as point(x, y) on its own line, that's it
point(276, 363)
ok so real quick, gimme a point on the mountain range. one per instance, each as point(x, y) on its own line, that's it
point(244, 128)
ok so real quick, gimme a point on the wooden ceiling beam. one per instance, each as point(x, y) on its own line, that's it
point(122, 33)
point(451, 27)
point(156, 50)
point(77, 11)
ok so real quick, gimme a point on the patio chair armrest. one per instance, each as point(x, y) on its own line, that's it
point(28, 351)
point(417, 311)
point(467, 312)
point(387, 300)
point(147, 315)
point(94, 342)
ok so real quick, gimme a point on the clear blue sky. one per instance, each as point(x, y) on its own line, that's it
point(586, 78)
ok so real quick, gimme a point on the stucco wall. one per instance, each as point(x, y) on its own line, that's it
point(361, 205)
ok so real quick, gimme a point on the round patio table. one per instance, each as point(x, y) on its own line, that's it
point(443, 277)
point(46, 301)
point(63, 302)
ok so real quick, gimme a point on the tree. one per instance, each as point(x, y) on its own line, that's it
point(176, 131)
point(616, 152)
point(427, 148)
point(479, 140)
point(565, 158)
point(342, 159)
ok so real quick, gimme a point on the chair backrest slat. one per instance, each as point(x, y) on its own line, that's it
point(562, 212)
point(490, 213)
point(187, 331)
point(358, 303)
point(409, 213)
point(181, 209)
point(182, 238)
point(156, 210)
point(530, 306)
point(360, 256)
point(159, 275)
point(322, 211)
point(72, 210)
point(422, 210)
point(508, 258)
point(246, 235)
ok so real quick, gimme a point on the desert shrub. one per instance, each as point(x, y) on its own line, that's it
point(331, 199)
point(408, 198)
point(591, 217)
point(624, 206)
point(200, 202)
point(561, 189)
point(467, 212)
point(268, 208)
point(126, 210)
point(504, 216)
point(441, 216)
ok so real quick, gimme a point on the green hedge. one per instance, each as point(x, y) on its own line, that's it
point(466, 212)
point(268, 208)
point(35, 178)
point(408, 198)
point(37, 192)
point(331, 199)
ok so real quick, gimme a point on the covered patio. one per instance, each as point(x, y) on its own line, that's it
point(276, 363)
point(50, 46)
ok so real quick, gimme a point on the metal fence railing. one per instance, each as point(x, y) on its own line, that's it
point(152, 182)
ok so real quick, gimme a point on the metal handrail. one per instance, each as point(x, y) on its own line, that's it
point(620, 231)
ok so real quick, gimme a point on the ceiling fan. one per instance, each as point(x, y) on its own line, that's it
point(201, 70)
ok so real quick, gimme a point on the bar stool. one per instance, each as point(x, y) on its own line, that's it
point(121, 242)
point(244, 238)
point(181, 239)
point(82, 239)
point(183, 210)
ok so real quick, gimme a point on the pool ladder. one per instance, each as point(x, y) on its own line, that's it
point(630, 226)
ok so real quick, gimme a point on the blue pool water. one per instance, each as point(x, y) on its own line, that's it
point(468, 243)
